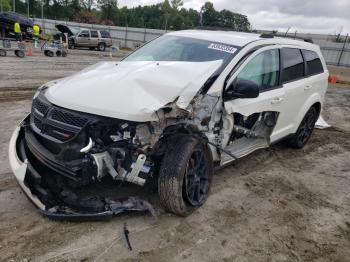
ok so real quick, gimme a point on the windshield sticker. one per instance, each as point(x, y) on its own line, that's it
point(223, 48)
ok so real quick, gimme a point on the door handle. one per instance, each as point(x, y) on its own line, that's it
point(308, 87)
point(276, 100)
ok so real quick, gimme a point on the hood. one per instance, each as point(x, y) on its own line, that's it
point(131, 90)
point(71, 31)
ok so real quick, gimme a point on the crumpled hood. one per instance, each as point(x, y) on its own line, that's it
point(131, 90)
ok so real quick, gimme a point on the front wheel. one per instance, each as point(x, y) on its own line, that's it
point(101, 47)
point(303, 134)
point(185, 176)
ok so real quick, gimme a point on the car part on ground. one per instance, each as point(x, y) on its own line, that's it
point(186, 111)
point(125, 237)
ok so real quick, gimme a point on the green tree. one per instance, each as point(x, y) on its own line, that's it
point(6, 5)
point(175, 4)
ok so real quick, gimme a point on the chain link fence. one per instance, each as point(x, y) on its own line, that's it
point(337, 54)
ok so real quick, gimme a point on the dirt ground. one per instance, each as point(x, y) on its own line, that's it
point(277, 204)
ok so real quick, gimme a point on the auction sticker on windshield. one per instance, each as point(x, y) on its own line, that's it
point(221, 47)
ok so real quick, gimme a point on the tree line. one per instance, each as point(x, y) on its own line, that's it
point(165, 15)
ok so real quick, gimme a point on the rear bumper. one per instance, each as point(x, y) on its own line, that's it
point(29, 180)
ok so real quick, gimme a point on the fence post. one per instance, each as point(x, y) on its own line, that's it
point(342, 50)
point(144, 35)
point(126, 36)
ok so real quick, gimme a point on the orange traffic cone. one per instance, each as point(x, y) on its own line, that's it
point(30, 50)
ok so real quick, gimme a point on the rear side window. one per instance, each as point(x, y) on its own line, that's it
point(293, 64)
point(94, 34)
point(313, 61)
point(105, 34)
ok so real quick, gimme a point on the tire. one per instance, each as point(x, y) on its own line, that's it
point(19, 53)
point(101, 47)
point(304, 131)
point(71, 44)
point(3, 52)
point(49, 53)
point(185, 176)
point(58, 53)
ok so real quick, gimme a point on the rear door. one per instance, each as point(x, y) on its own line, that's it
point(94, 39)
point(295, 90)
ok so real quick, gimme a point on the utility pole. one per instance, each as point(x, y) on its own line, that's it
point(14, 5)
point(28, 8)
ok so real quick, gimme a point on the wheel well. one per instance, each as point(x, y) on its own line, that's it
point(317, 106)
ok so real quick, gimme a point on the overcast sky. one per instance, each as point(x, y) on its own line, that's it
point(308, 16)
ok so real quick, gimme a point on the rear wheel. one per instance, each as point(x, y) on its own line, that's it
point(185, 176)
point(101, 47)
point(303, 134)
point(19, 53)
point(48, 53)
point(2, 52)
point(58, 53)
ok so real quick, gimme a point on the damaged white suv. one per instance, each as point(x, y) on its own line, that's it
point(174, 110)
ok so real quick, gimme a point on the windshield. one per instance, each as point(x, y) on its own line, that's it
point(175, 48)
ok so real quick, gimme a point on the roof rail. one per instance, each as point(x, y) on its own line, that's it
point(213, 28)
point(267, 35)
point(308, 40)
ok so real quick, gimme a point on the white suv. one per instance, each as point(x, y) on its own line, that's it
point(172, 111)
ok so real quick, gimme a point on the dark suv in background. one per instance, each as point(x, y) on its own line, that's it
point(7, 21)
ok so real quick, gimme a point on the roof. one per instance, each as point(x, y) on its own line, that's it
point(237, 38)
point(227, 37)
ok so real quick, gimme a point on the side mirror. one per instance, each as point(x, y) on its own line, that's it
point(242, 89)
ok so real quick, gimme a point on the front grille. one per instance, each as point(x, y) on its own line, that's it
point(68, 118)
point(55, 122)
point(37, 123)
point(40, 106)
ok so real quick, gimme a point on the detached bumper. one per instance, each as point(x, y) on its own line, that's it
point(24, 171)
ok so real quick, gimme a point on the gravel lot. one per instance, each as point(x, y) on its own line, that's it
point(277, 204)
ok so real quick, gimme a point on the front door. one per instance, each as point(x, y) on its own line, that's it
point(83, 38)
point(262, 68)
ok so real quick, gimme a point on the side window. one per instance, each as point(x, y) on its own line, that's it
point(293, 64)
point(313, 62)
point(84, 33)
point(263, 69)
point(105, 34)
point(94, 34)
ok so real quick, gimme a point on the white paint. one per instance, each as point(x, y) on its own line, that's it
point(131, 90)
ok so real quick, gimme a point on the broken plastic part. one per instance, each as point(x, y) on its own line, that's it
point(112, 208)
point(88, 147)
point(125, 237)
